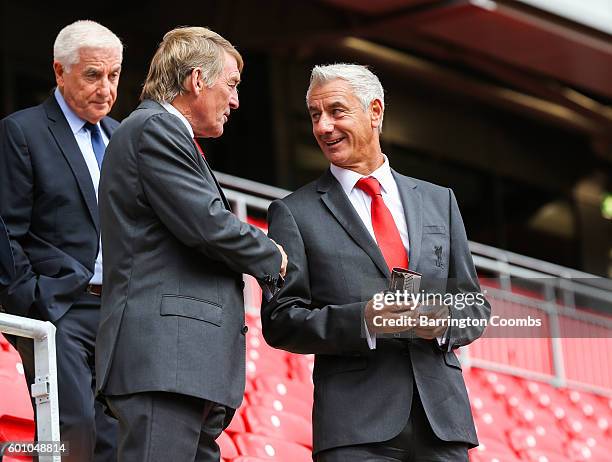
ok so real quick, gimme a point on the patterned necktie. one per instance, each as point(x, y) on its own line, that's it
point(96, 142)
point(385, 229)
point(199, 147)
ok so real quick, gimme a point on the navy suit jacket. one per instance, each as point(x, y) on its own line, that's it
point(48, 202)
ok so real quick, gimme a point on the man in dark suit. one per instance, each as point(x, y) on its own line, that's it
point(395, 399)
point(170, 350)
point(50, 158)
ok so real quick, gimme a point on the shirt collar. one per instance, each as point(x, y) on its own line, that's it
point(172, 110)
point(74, 121)
point(349, 178)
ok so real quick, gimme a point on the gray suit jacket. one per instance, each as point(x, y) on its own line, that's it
point(335, 267)
point(172, 307)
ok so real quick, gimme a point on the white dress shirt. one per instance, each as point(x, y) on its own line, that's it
point(172, 110)
point(362, 202)
point(83, 139)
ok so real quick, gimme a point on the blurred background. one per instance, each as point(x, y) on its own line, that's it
point(507, 102)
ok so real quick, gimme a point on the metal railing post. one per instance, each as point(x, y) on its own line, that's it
point(556, 346)
point(44, 388)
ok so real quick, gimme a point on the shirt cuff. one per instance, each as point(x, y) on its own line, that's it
point(371, 339)
point(444, 341)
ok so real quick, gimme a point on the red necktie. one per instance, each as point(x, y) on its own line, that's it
point(199, 147)
point(385, 229)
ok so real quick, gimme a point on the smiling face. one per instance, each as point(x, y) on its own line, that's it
point(347, 135)
point(90, 87)
point(214, 104)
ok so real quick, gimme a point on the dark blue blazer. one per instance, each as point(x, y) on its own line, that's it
point(48, 202)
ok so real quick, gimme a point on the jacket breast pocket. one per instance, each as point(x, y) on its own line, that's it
point(434, 229)
point(193, 308)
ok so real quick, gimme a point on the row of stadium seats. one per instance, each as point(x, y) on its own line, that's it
point(517, 419)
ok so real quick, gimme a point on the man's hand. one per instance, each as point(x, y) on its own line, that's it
point(383, 318)
point(284, 261)
point(432, 330)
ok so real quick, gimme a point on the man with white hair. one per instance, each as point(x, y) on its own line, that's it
point(50, 159)
point(375, 399)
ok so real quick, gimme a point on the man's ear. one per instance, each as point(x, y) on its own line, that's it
point(59, 71)
point(195, 82)
point(376, 112)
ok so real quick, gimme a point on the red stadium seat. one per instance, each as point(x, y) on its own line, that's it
point(281, 403)
point(253, 320)
point(269, 448)
point(227, 446)
point(260, 362)
point(484, 403)
point(492, 428)
point(540, 439)
point(16, 414)
point(542, 394)
point(588, 451)
point(529, 415)
point(16, 429)
point(544, 456)
point(237, 423)
point(492, 451)
point(492, 457)
point(586, 402)
point(282, 425)
point(301, 367)
point(282, 386)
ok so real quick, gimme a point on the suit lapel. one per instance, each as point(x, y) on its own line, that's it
point(211, 173)
point(413, 210)
point(70, 149)
point(341, 208)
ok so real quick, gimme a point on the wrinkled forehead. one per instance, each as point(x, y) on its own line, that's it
point(108, 56)
point(329, 94)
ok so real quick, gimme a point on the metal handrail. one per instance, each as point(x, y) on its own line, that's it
point(258, 196)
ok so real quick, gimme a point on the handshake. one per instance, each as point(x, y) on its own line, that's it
point(391, 313)
point(284, 259)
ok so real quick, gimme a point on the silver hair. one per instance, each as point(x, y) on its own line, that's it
point(83, 34)
point(364, 83)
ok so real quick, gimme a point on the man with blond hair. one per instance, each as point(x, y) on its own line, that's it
point(170, 352)
point(50, 158)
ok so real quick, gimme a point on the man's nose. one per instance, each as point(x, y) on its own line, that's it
point(324, 125)
point(104, 86)
point(234, 103)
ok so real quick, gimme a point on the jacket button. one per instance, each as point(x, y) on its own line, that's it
point(244, 330)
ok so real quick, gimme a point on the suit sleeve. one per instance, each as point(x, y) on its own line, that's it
point(462, 279)
point(190, 206)
point(290, 320)
point(16, 202)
